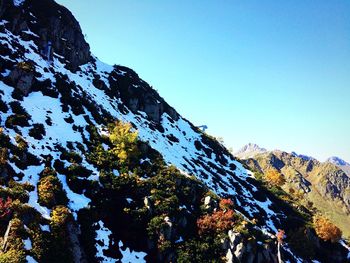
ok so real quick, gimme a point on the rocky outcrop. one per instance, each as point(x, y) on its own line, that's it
point(22, 77)
point(77, 251)
point(241, 250)
point(51, 23)
point(335, 184)
point(138, 95)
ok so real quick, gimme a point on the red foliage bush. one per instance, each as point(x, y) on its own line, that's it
point(226, 204)
point(5, 207)
point(218, 221)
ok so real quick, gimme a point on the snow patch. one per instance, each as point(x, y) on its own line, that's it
point(27, 244)
point(18, 2)
point(31, 259)
point(130, 256)
point(102, 236)
point(45, 228)
point(76, 201)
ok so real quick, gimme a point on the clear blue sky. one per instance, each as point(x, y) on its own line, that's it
point(276, 73)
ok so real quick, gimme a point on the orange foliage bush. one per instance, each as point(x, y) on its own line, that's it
point(326, 230)
point(226, 204)
point(219, 221)
point(280, 235)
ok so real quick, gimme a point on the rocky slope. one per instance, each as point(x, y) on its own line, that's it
point(77, 186)
point(326, 185)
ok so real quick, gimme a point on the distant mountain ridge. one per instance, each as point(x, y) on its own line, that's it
point(326, 184)
point(337, 161)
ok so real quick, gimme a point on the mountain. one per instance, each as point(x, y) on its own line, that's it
point(345, 166)
point(95, 166)
point(324, 184)
point(302, 156)
point(249, 150)
point(337, 161)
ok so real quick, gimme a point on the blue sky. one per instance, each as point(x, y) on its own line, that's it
point(276, 73)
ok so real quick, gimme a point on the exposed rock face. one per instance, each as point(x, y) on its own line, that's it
point(138, 95)
point(240, 250)
point(209, 203)
point(57, 34)
point(22, 79)
point(78, 253)
point(52, 22)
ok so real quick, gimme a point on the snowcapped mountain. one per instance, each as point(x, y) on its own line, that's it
point(345, 166)
point(249, 150)
point(87, 162)
point(337, 161)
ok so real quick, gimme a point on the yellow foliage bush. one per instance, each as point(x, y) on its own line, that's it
point(124, 141)
point(60, 215)
point(274, 177)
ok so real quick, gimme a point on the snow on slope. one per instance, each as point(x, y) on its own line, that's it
point(217, 168)
point(223, 177)
point(103, 237)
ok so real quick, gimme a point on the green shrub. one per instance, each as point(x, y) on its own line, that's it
point(50, 192)
point(3, 156)
point(27, 66)
point(71, 157)
point(21, 143)
point(14, 249)
point(47, 172)
point(17, 120)
point(59, 247)
point(78, 170)
point(37, 131)
point(4, 139)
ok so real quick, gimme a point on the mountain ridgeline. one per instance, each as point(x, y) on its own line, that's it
point(96, 167)
point(325, 185)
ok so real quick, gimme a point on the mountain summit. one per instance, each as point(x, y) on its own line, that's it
point(95, 166)
point(337, 161)
point(249, 151)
